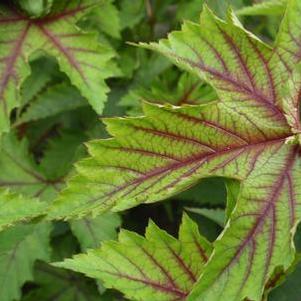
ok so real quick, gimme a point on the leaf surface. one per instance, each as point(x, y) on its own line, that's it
point(251, 135)
point(20, 247)
point(265, 8)
point(54, 100)
point(16, 208)
point(157, 267)
point(20, 173)
point(79, 54)
point(91, 232)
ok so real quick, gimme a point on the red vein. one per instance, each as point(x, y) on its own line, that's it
point(64, 50)
point(267, 70)
point(175, 137)
point(10, 64)
point(274, 194)
point(182, 264)
point(177, 165)
point(155, 285)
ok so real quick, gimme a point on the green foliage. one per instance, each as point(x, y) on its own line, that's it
point(214, 128)
point(270, 7)
point(20, 247)
point(157, 267)
point(57, 35)
point(13, 209)
point(88, 232)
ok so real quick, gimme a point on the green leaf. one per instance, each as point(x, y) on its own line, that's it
point(16, 208)
point(91, 232)
point(216, 215)
point(20, 173)
point(54, 100)
point(265, 8)
point(157, 267)
point(68, 148)
point(44, 72)
point(287, 46)
point(78, 53)
point(20, 247)
point(247, 135)
point(106, 19)
point(290, 289)
point(60, 285)
point(36, 8)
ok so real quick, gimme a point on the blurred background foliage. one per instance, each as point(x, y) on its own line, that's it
point(54, 121)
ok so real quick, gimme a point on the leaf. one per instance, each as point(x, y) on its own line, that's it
point(106, 19)
point(44, 72)
point(66, 147)
point(131, 13)
point(189, 90)
point(209, 192)
point(20, 247)
point(91, 232)
point(269, 7)
point(157, 267)
point(59, 285)
point(56, 99)
point(79, 54)
point(216, 215)
point(16, 208)
point(20, 173)
point(36, 8)
point(290, 289)
point(245, 136)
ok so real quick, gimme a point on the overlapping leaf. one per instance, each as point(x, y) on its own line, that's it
point(247, 136)
point(79, 54)
point(91, 232)
point(20, 247)
point(268, 7)
point(20, 173)
point(16, 208)
point(157, 267)
point(60, 285)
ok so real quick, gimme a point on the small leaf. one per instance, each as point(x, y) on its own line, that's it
point(54, 100)
point(92, 231)
point(157, 267)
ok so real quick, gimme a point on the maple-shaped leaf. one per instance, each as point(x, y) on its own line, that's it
point(251, 134)
point(157, 267)
point(79, 54)
point(16, 208)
